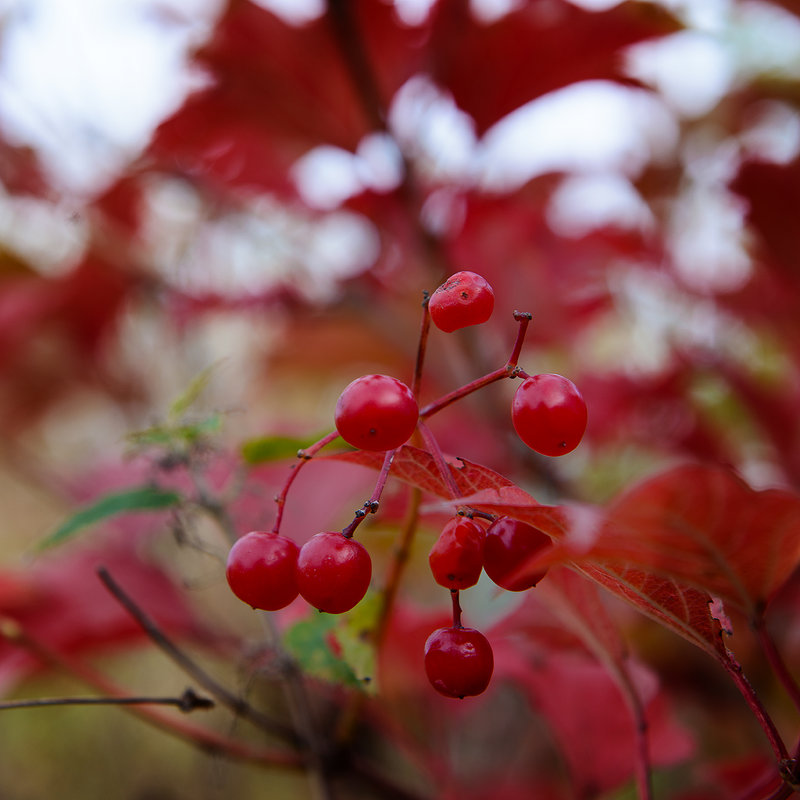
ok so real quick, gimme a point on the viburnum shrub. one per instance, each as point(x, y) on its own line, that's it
point(380, 413)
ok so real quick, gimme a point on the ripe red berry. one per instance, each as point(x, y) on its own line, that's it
point(333, 572)
point(465, 298)
point(262, 570)
point(376, 412)
point(549, 414)
point(458, 661)
point(456, 559)
point(510, 545)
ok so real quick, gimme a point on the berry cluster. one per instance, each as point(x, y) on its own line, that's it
point(332, 571)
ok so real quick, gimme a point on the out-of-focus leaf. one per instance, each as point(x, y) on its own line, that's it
point(492, 69)
point(142, 498)
point(274, 448)
point(191, 393)
point(354, 638)
point(168, 435)
point(64, 606)
point(312, 641)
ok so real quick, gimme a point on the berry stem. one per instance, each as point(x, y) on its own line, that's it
point(454, 596)
point(439, 459)
point(371, 505)
point(509, 370)
point(524, 318)
point(305, 456)
point(421, 346)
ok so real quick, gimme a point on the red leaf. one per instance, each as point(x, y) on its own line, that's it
point(675, 605)
point(705, 527)
point(280, 90)
point(418, 468)
point(772, 192)
point(589, 718)
point(491, 69)
point(66, 608)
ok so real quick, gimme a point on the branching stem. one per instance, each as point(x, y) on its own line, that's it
point(509, 370)
point(371, 506)
point(236, 704)
point(304, 457)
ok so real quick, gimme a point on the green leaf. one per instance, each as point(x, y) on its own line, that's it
point(142, 498)
point(174, 435)
point(189, 396)
point(274, 448)
point(309, 641)
point(354, 637)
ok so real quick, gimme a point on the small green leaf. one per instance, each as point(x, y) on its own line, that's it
point(354, 637)
point(274, 448)
point(142, 498)
point(310, 640)
point(189, 396)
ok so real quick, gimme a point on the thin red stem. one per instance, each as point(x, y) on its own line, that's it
point(371, 505)
point(734, 669)
point(509, 370)
point(524, 318)
point(305, 456)
point(454, 596)
point(421, 347)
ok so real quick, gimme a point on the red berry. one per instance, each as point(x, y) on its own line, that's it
point(463, 299)
point(549, 414)
point(376, 412)
point(262, 570)
point(509, 546)
point(458, 661)
point(456, 559)
point(333, 572)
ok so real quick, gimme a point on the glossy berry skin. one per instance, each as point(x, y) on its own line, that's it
point(458, 661)
point(464, 299)
point(262, 570)
point(333, 572)
point(549, 414)
point(456, 560)
point(376, 412)
point(509, 546)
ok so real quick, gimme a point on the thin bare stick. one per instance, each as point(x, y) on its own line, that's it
point(227, 698)
point(199, 736)
point(188, 701)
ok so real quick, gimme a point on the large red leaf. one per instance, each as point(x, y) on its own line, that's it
point(703, 526)
point(492, 69)
point(676, 605)
point(279, 90)
point(62, 604)
point(588, 716)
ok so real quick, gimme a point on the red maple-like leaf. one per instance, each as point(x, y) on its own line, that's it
point(492, 69)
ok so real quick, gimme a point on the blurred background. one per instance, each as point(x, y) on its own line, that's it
point(258, 193)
